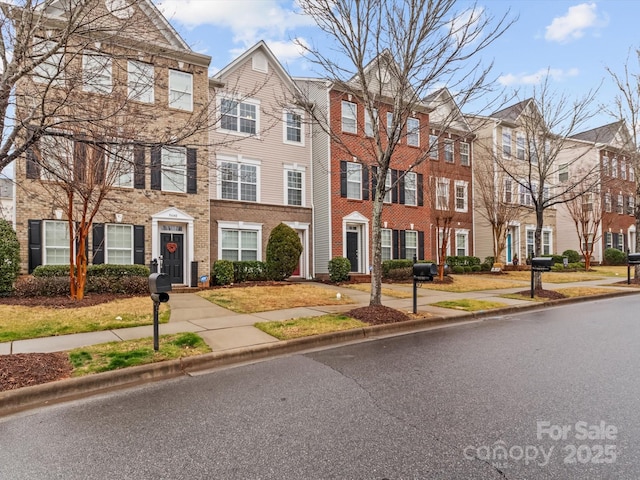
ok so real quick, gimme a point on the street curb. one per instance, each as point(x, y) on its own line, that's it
point(14, 401)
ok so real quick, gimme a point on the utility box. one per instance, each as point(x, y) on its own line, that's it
point(424, 272)
point(541, 264)
point(633, 258)
point(159, 283)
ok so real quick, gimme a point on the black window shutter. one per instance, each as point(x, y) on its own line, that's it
point(374, 181)
point(192, 170)
point(421, 245)
point(156, 168)
point(394, 187)
point(343, 178)
point(138, 244)
point(403, 250)
point(420, 193)
point(401, 187)
point(33, 167)
point(79, 161)
point(396, 243)
point(138, 167)
point(365, 182)
point(35, 244)
point(98, 243)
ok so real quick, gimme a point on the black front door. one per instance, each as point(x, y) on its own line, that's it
point(352, 250)
point(171, 251)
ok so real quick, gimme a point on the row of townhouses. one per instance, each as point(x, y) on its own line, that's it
point(217, 194)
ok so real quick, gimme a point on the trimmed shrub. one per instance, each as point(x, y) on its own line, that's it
point(102, 270)
point(389, 265)
point(489, 261)
point(249, 271)
point(476, 268)
point(9, 257)
point(462, 261)
point(52, 271)
point(572, 256)
point(42, 286)
point(283, 252)
point(467, 269)
point(457, 269)
point(613, 256)
point(339, 268)
point(486, 267)
point(222, 272)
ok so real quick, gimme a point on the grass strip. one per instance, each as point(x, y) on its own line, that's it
point(307, 326)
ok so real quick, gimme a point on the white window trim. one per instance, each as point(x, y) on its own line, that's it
point(180, 169)
point(44, 242)
point(451, 143)
point(413, 132)
point(465, 233)
point(48, 70)
point(370, 124)
point(148, 90)
point(226, 225)
point(294, 168)
point(443, 181)
point(50, 163)
point(417, 247)
point(190, 93)
point(285, 126)
point(465, 155)
point(342, 117)
point(240, 160)
point(240, 100)
point(505, 132)
point(414, 200)
point(121, 162)
point(434, 143)
point(359, 197)
point(465, 185)
point(521, 153)
point(106, 243)
point(89, 84)
point(390, 246)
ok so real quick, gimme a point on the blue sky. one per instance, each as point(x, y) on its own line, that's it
point(573, 40)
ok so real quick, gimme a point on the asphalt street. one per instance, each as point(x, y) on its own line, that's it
point(549, 394)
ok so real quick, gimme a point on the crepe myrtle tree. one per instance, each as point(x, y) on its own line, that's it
point(395, 54)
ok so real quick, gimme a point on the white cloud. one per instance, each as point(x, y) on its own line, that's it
point(573, 25)
point(248, 20)
point(464, 27)
point(556, 74)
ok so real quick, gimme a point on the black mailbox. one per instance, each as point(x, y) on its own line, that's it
point(633, 258)
point(159, 283)
point(424, 272)
point(541, 264)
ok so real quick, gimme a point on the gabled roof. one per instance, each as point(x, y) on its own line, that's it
point(512, 113)
point(604, 134)
point(260, 46)
point(445, 109)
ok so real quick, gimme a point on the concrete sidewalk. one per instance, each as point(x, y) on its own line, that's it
point(223, 329)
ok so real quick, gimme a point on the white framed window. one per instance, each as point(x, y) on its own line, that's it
point(506, 142)
point(293, 128)
point(386, 240)
point(140, 81)
point(462, 243)
point(605, 165)
point(607, 202)
point(48, 71)
point(623, 169)
point(441, 239)
point(174, 169)
point(587, 202)
point(240, 116)
point(349, 117)
point(563, 173)
point(546, 242)
point(387, 186)
point(614, 167)
point(464, 154)
point(520, 146)
point(118, 244)
point(389, 124)
point(533, 151)
point(448, 151)
point(433, 147)
point(354, 181)
point(96, 73)
point(632, 173)
point(546, 193)
point(631, 205)
point(620, 204)
point(120, 166)
point(56, 158)
point(442, 194)
point(239, 241)
point(530, 243)
point(181, 90)
point(508, 190)
point(294, 185)
point(370, 123)
point(462, 197)
point(239, 179)
point(410, 244)
point(410, 188)
point(56, 242)
point(413, 132)
point(525, 194)
point(608, 240)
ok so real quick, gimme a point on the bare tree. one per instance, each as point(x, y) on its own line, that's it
point(626, 107)
point(546, 121)
point(497, 204)
point(586, 212)
point(394, 54)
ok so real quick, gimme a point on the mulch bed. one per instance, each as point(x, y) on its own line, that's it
point(26, 369)
point(62, 301)
point(550, 294)
point(377, 315)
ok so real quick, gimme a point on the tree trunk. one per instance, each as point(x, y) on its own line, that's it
point(376, 250)
point(537, 247)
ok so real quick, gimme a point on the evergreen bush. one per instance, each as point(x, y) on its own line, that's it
point(283, 252)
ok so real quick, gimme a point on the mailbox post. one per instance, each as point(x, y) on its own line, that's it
point(540, 264)
point(159, 286)
point(632, 259)
point(422, 272)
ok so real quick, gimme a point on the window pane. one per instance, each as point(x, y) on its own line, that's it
point(349, 117)
point(294, 188)
point(96, 73)
point(141, 81)
point(294, 127)
point(180, 90)
point(57, 248)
